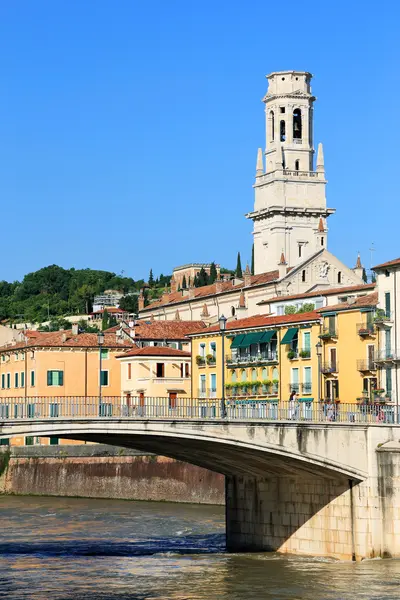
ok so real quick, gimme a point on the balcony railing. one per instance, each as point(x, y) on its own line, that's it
point(306, 388)
point(366, 365)
point(200, 361)
point(365, 329)
point(382, 317)
point(386, 355)
point(294, 387)
point(249, 359)
point(328, 333)
point(305, 353)
point(207, 393)
point(293, 354)
point(329, 367)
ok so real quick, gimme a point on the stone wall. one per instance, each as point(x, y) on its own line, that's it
point(106, 472)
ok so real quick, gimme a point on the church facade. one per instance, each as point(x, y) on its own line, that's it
point(290, 220)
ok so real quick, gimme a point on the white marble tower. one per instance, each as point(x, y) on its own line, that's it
point(290, 205)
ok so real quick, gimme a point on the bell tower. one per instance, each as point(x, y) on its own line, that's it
point(289, 192)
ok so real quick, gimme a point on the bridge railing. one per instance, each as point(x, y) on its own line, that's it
point(116, 407)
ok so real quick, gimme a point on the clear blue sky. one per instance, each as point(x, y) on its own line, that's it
point(129, 130)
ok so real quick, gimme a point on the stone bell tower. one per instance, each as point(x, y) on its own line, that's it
point(290, 202)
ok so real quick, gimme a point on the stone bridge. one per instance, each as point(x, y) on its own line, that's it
point(327, 489)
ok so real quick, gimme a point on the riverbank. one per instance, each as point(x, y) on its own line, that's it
point(101, 471)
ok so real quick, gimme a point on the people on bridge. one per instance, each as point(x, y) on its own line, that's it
point(294, 406)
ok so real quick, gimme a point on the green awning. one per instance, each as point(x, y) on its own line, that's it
point(236, 341)
point(267, 336)
point(289, 335)
point(251, 338)
point(367, 309)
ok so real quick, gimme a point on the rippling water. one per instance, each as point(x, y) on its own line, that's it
point(72, 549)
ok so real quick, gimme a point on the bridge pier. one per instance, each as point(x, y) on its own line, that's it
point(316, 516)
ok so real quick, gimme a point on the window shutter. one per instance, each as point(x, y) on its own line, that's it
point(49, 378)
point(60, 377)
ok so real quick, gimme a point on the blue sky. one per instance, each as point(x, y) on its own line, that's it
point(129, 130)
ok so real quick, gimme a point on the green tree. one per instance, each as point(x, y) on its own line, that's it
point(373, 277)
point(364, 276)
point(129, 303)
point(239, 272)
point(184, 284)
point(252, 259)
point(151, 278)
point(201, 278)
point(213, 273)
point(112, 321)
point(105, 320)
point(307, 307)
point(290, 309)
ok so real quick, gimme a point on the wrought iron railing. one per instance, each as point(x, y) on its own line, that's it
point(14, 411)
point(366, 365)
point(329, 367)
point(328, 332)
point(365, 329)
point(246, 359)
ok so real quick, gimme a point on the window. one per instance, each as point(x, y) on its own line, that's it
point(307, 343)
point(187, 372)
point(233, 311)
point(159, 369)
point(297, 165)
point(8, 380)
point(54, 441)
point(3, 357)
point(339, 277)
point(332, 354)
point(29, 440)
point(3, 381)
point(319, 303)
point(22, 379)
point(104, 378)
point(213, 382)
point(322, 241)
point(243, 375)
point(300, 250)
point(104, 353)
point(388, 343)
point(280, 310)
point(54, 409)
point(387, 273)
point(16, 379)
point(388, 381)
point(387, 304)
point(297, 124)
point(303, 275)
point(55, 378)
point(282, 131)
point(264, 374)
point(294, 384)
point(32, 378)
point(129, 366)
point(202, 384)
point(16, 356)
point(282, 110)
point(254, 374)
point(202, 350)
point(213, 348)
point(272, 124)
point(307, 385)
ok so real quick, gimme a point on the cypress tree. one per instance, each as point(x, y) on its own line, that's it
point(104, 322)
point(238, 271)
point(364, 276)
point(151, 278)
point(184, 284)
point(213, 273)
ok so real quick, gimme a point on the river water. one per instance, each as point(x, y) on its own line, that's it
point(73, 549)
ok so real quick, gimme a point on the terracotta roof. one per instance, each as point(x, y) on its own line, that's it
point(316, 293)
point(211, 290)
point(358, 262)
point(156, 351)
point(321, 227)
point(161, 330)
point(390, 263)
point(264, 321)
point(364, 301)
point(65, 339)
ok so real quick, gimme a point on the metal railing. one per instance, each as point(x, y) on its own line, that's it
point(382, 316)
point(16, 410)
point(366, 365)
point(386, 355)
point(329, 367)
point(246, 359)
point(328, 332)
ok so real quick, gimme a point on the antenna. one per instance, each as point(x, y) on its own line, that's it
point(372, 250)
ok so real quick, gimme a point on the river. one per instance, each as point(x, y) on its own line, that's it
point(73, 549)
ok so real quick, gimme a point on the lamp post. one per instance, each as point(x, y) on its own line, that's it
point(318, 348)
point(222, 327)
point(100, 341)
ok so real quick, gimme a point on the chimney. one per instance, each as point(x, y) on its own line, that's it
point(141, 300)
point(75, 329)
point(242, 300)
point(247, 276)
point(218, 286)
point(165, 298)
point(282, 267)
point(63, 338)
point(174, 286)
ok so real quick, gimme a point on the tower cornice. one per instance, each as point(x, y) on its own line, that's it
point(270, 211)
point(297, 95)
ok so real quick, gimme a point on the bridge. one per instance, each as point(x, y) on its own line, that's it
point(319, 481)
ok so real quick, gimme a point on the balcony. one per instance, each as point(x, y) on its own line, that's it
point(294, 387)
point(200, 361)
point(366, 365)
point(262, 358)
point(328, 333)
point(293, 354)
point(365, 329)
point(306, 388)
point(305, 353)
point(386, 355)
point(382, 317)
point(329, 367)
point(207, 393)
point(211, 360)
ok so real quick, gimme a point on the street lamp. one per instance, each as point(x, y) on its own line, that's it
point(318, 348)
point(100, 341)
point(222, 327)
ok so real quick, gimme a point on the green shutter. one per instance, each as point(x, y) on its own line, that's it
point(32, 378)
point(267, 336)
point(104, 378)
point(236, 341)
point(49, 378)
point(22, 379)
point(387, 304)
point(16, 379)
point(289, 335)
point(60, 377)
point(3, 381)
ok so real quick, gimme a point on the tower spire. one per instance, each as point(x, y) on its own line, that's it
point(320, 159)
point(260, 164)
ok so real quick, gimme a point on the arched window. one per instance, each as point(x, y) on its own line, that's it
point(272, 125)
point(303, 275)
point(233, 311)
point(243, 375)
point(254, 374)
point(264, 374)
point(322, 241)
point(339, 277)
point(233, 376)
point(297, 124)
point(283, 131)
point(297, 165)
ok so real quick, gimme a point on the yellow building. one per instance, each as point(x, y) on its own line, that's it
point(153, 372)
point(40, 369)
point(350, 352)
point(266, 358)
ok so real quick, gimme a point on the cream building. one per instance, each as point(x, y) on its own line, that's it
point(290, 220)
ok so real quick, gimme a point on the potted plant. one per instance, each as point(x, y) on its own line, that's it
point(291, 354)
point(266, 383)
point(210, 358)
point(305, 353)
point(200, 360)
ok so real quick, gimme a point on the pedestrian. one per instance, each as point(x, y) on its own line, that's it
point(293, 406)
